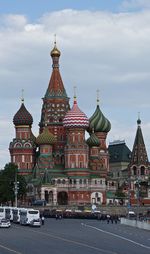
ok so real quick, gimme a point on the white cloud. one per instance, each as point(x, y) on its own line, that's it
point(99, 50)
point(15, 22)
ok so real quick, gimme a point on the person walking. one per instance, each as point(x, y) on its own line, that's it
point(43, 220)
point(108, 218)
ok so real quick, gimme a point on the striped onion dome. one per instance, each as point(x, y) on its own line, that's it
point(45, 138)
point(75, 117)
point(99, 122)
point(93, 140)
point(22, 117)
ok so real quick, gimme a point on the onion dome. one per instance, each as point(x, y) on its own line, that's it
point(99, 122)
point(75, 117)
point(93, 140)
point(55, 52)
point(22, 117)
point(33, 137)
point(45, 138)
point(139, 120)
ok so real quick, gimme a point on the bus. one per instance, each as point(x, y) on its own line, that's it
point(28, 215)
point(2, 212)
point(9, 213)
point(6, 212)
point(16, 215)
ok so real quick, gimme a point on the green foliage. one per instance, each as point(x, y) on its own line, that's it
point(119, 194)
point(7, 179)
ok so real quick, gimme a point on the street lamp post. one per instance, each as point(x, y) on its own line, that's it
point(129, 196)
point(16, 187)
point(138, 196)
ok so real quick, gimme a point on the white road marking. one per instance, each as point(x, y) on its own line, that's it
point(70, 241)
point(121, 237)
point(11, 250)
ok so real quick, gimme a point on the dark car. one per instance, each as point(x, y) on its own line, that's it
point(39, 202)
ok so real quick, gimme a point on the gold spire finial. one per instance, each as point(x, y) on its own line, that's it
point(97, 91)
point(74, 88)
point(55, 40)
point(22, 95)
point(55, 52)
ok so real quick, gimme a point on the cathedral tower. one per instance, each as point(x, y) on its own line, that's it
point(55, 107)
point(139, 167)
point(99, 127)
point(23, 148)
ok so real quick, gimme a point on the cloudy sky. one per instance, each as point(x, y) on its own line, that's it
point(105, 45)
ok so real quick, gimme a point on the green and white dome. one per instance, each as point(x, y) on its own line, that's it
point(99, 122)
point(93, 140)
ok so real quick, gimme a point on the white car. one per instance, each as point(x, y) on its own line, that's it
point(35, 223)
point(4, 223)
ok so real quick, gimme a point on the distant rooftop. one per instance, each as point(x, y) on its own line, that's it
point(119, 152)
point(117, 142)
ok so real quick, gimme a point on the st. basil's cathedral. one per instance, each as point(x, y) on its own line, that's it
point(68, 168)
point(60, 165)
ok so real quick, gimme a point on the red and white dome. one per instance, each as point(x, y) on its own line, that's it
point(75, 118)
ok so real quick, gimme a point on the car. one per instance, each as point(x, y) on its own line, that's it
point(35, 223)
point(4, 223)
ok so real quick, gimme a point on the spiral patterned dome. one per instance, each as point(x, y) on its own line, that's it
point(45, 138)
point(99, 122)
point(22, 117)
point(75, 118)
point(93, 140)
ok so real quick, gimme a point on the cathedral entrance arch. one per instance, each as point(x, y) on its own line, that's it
point(96, 198)
point(62, 198)
point(49, 196)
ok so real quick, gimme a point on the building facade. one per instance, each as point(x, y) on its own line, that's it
point(63, 167)
point(139, 171)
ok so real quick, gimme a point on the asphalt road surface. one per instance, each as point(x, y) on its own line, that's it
point(73, 236)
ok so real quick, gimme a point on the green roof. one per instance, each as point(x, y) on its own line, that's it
point(119, 152)
point(110, 194)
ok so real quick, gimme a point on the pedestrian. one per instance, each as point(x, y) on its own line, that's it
point(42, 219)
point(116, 219)
point(112, 219)
point(108, 218)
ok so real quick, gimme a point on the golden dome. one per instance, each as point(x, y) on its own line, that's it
point(55, 52)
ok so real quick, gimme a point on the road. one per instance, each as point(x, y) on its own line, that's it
point(70, 236)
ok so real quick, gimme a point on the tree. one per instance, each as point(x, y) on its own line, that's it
point(7, 179)
point(120, 195)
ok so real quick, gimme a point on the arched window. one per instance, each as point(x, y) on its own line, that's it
point(58, 181)
point(80, 181)
point(134, 170)
point(142, 171)
point(53, 181)
point(63, 181)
